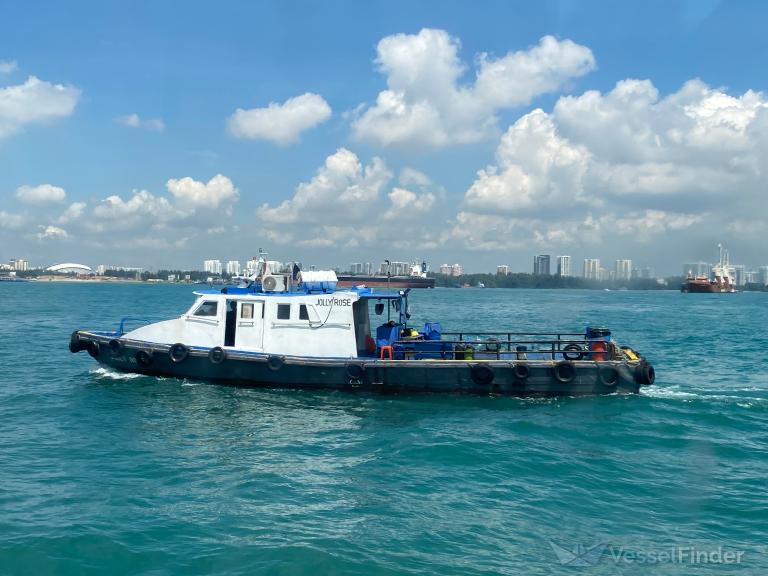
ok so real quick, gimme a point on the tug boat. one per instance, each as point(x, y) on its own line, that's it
point(298, 330)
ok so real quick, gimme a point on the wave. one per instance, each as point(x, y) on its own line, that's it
point(108, 374)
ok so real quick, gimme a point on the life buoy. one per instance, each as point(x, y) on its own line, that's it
point(564, 371)
point(116, 347)
point(275, 363)
point(75, 344)
point(94, 349)
point(608, 375)
point(144, 358)
point(178, 353)
point(355, 371)
point(521, 371)
point(573, 352)
point(217, 355)
point(482, 374)
point(645, 373)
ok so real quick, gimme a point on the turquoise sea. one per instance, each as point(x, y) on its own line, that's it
point(102, 473)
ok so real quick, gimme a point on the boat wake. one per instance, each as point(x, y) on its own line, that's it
point(107, 374)
point(743, 397)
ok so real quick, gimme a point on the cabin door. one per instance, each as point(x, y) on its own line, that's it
point(249, 325)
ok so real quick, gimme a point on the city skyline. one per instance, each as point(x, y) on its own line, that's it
point(476, 137)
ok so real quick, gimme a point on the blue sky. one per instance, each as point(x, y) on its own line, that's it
point(478, 133)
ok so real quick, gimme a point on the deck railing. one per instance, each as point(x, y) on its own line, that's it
point(506, 345)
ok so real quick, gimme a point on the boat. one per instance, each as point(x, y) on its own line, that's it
point(300, 330)
point(721, 283)
point(416, 278)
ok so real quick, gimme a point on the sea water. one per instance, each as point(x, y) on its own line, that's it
point(105, 473)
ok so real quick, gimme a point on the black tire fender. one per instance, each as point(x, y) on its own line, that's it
point(564, 371)
point(573, 352)
point(608, 375)
point(645, 373)
point(482, 374)
point(217, 355)
point(75, 344)
point(116, 347)
point(178, 353)
point(355, 371)
point(275, 362)
point(94, 349)
point(521, 371)
point(144, 358)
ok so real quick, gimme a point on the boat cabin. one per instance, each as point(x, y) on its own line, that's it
point(315, 323)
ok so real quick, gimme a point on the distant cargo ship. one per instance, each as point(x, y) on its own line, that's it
point(721, 284)
point(416, 278)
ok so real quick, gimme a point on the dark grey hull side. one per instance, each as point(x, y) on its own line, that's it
point(521, 378)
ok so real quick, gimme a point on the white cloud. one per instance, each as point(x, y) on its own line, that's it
point(406, 204)
point(280, 123)
point(628, 162)
point(412, 177)
point(218, 191)
point(135, 121)
point(342, 189)
point(8, 66)
point(141, 204)
point(34, 102)
point(10, 221)
point(536, 167)
point(40, 195)
point(425, 105)
point(51, 233)
point(72, 213)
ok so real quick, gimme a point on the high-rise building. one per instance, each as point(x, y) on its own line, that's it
point(738, 272)
point(19, 264)
point(762, 275)
point(233, 268)
point(623, 270)
point(212, 266)
point(592, 268)
point(502, 270)
point(563, 266)
point(541, 265)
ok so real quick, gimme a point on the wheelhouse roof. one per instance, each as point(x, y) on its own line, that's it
point(363, 293)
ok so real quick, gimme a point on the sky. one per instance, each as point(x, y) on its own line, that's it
point(162, 134)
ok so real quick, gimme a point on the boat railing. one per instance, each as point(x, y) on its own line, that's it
point(506, 345)
point(121, 328)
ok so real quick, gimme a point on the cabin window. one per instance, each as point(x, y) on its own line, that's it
point(283, 311)
point(246, 311)
point(303, 314)
point(207, 308)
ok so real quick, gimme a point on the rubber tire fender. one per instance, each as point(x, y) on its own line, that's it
point(573, 352)
point(521, 371)
point(355, 371)
point(178, 353)
point(564, 371)
point(94, 349)
point(482, 374)
point(645, 374)
point(75, 344)
point(217, 355)
point(116, 347)
point(144, 358)
point(275, 362)
point(608, 375)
